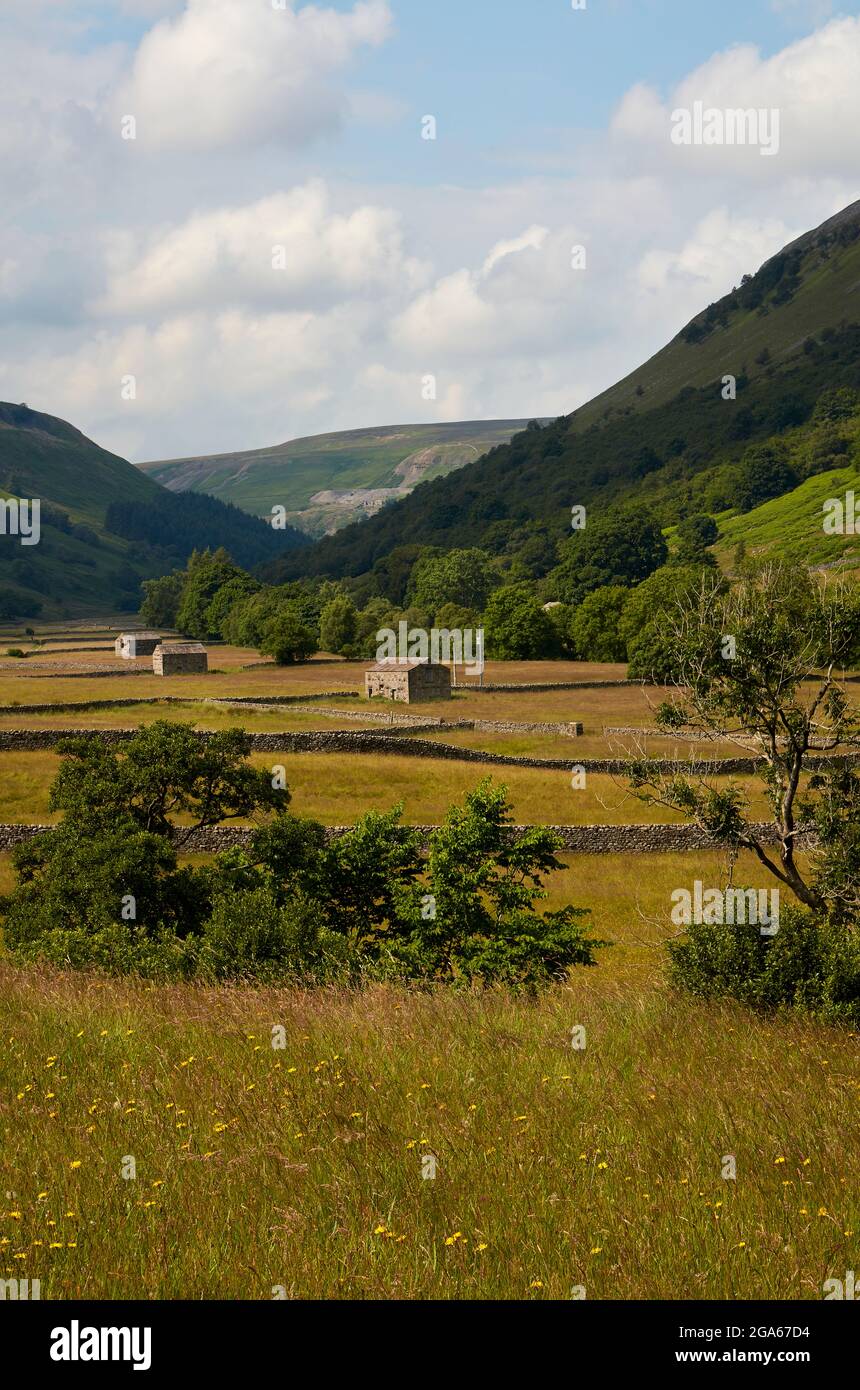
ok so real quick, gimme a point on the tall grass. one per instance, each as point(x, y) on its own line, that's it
point(302, 1168)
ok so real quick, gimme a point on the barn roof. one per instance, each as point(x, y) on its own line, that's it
point(180, 648)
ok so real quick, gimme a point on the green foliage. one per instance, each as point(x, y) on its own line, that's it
point(162, 597)
point(594, 628)
point(207, 573)
point(516, 626)
point(483, 889)
point(694, 535)
point(80, 879)
point(256, 936)
point(288, 638)
point(745, 662)
point(464, 577)
point(764, 473)
point(163, 772)
point(812, 968)
point(104, 889)
point(619, 547)
point(837, 403)
point(338, 624)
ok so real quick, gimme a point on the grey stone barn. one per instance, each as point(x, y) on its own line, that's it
point(131, 644)
point(408, 681)
point(180, 659)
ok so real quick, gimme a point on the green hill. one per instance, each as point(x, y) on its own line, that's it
point(792, 526)
point(810, 286)
point(326, 481)
point(104, 524)
point(664, 436)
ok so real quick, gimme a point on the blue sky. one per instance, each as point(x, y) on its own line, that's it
point(404, 257)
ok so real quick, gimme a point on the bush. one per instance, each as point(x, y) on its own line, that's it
point(116, 948)
point(250, 935)
point(812, 968)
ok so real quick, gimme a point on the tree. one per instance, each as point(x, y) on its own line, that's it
point(694, 535)
point(338, 624)
point(163, 772)
point(287, 637)
point(207, 573)
point(465, 577)
point(764, 473)
point(108, 874)
point(747, 661)
point(479, 919)
point(161, 599)
point(225, 599)
point(516, 626)
point(835, 404)
point(620, 546)
point(594, 628)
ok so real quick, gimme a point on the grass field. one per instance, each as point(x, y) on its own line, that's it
point(301, 1169)
point(337, 789)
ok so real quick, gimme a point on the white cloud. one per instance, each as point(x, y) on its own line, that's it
point(114, 261)
point(223, 73)
point(289, 248)
point(709, 260)
point(812, 83)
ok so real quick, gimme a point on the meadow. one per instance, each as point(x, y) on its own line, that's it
point(298, 1168)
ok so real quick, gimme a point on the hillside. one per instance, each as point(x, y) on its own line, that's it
point(662, 436)
point(791, 526)
point(812, 285)
point(104, 524)
point(326, 481)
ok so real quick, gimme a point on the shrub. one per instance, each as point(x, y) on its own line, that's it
point(812, 968)
point(250, 935)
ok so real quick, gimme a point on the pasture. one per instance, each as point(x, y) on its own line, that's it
point(260, 1168)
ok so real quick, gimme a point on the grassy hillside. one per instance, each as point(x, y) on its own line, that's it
point(104, 524)
point(326, 481)
point(44, 457)
point(786, 334)
point(811, 286)
point(792, 526)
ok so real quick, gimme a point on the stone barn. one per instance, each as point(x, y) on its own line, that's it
point(180, 659)
point(408, 682)
point(131, 644)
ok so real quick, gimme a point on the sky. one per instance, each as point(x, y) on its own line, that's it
point(222, 226)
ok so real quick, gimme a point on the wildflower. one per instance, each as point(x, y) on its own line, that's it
point(75, 1163)
point(452, 1240)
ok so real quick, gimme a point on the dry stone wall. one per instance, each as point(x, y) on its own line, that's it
point(575, 839)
